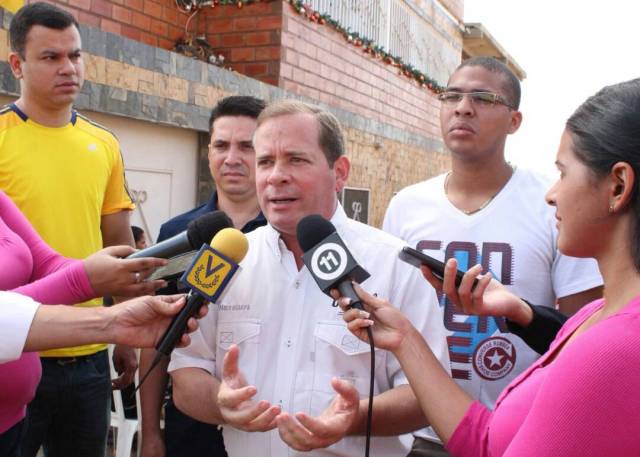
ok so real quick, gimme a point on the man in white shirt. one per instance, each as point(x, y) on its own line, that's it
point(266, 357)
point(485, 211)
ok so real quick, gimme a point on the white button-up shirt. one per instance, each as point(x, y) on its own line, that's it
point(16, 314)
point(293, 340)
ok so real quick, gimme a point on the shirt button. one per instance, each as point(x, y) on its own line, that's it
point(296, 284)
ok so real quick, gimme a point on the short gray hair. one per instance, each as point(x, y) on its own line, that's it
point(331, 137)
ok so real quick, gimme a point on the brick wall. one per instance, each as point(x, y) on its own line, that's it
point(386, 166)
point(248, 38)
point(317, 62)
point(154, 22)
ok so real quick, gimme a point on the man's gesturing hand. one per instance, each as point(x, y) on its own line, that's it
point(235, 399)
point(331, 426)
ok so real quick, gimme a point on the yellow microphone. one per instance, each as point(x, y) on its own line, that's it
point(207, 277)
point(214, 266)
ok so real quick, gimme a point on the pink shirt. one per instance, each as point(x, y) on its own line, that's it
point(584, 403)
point(31, 267)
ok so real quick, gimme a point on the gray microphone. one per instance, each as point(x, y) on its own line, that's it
point(199, 231)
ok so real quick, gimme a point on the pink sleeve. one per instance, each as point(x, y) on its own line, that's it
point(66, 286)
point(589, 402)
point(55, 279)
point(469, 439)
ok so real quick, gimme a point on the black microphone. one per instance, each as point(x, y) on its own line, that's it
point(207, 277)
point(333, 267)
point(328, 259)
point(199, 232)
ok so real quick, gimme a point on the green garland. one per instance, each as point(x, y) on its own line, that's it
point(368, 46)
point(238, 3)
point(354, 38)
point(197, 4)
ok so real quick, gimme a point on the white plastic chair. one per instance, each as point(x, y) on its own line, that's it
point(125, 429)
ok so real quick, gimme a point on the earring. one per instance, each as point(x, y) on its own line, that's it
point(612, 207)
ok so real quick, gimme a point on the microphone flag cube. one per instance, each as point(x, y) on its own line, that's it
point(209, 273)
point(330, 263)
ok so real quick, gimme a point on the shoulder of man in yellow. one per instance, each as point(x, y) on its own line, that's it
point(12, 5)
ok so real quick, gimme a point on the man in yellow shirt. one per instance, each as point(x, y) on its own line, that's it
point(66, 175)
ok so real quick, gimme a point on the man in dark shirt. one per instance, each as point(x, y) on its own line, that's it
point(232, 167)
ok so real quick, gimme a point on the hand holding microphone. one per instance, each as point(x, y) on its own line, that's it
point(140, 322)
point(391, 326)
point(123, 271)
point(333, 268)
point(111, 274)
point(207, 277)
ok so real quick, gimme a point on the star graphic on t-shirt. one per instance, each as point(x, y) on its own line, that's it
point(495, 359)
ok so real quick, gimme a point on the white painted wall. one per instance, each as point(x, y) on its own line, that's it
point(160, 166)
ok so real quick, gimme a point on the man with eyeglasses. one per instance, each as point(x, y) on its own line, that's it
point(485, 211)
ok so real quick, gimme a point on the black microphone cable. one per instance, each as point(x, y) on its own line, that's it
point(346, 290)
point(369, 425)
point(371, 382)
point(333, 267)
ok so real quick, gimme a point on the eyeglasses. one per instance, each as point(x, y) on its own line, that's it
point(477, 98)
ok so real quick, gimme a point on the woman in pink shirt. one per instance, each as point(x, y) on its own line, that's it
point(30, 267)
point(581, 398)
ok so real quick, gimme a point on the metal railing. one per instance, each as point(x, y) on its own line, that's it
point(396, 26)
point(367, 17)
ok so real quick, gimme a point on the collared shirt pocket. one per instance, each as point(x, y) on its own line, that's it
point(339, 353)
point(246, 335)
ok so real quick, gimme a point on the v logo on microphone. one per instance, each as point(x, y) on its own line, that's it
point(210, 271)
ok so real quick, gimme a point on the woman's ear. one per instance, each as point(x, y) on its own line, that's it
point(623, 180)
